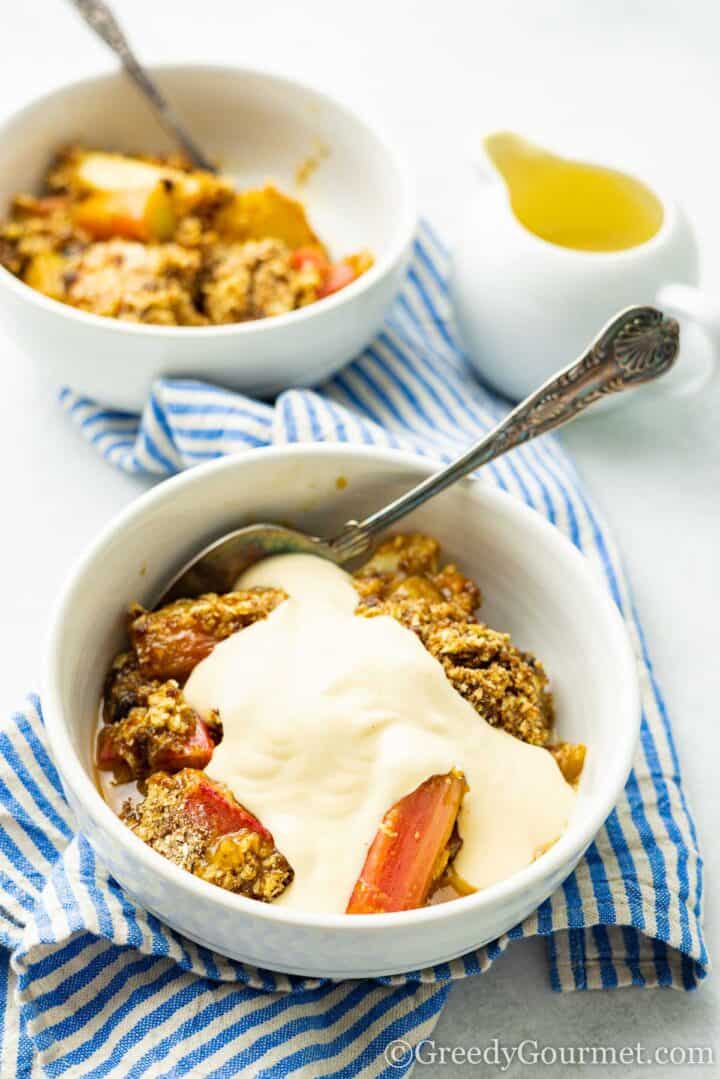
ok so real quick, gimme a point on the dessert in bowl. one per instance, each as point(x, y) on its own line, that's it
point(535, 585)
point(300, 156)
point(310, 710)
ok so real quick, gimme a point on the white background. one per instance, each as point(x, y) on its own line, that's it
point(637, 81)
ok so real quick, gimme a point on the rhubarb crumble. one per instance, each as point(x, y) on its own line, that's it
point(154, 745)
point(154, 240)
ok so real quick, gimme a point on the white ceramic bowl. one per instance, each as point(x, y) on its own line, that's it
point(536, 585)
point(258, 126)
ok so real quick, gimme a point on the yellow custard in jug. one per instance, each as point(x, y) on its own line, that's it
point(573, 204)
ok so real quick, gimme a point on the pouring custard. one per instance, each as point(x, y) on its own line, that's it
point(571, 203)
point(337, 743)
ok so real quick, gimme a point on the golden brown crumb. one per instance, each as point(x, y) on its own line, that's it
point(135, 282)
point(421, 615)
point(160, 821)
point(125, 687)
point(458, 588)
point(157, 734)
point(405, 567)
point(507, 687)
point(173, 640)
point(402, 556)
point(38, 226)
point(402, 579)
point(198, 824)
point(192, 231)
point(253, 280)
point(245, 862)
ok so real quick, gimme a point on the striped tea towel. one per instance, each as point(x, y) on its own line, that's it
point(103, 989)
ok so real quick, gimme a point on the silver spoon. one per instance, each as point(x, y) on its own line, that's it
point(100, 18)
point(636, 346)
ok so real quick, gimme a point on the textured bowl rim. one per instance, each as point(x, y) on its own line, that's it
point(378, 271)
point(562, 856)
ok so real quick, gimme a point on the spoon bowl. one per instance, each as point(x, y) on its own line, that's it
point(217, 567)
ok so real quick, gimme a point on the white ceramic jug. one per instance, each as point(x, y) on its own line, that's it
point(527, 305)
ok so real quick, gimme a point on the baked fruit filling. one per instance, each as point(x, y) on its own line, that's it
point(415, 843)
point(151, 737)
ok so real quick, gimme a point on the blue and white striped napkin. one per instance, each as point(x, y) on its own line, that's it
point(97, 987)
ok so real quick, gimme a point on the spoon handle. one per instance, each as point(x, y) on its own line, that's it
point(636, 346)
point(100, 18)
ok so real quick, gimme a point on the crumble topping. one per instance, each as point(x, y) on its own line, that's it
point(199, 825)
point(171, 641)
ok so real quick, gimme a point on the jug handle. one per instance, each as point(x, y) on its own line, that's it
point(691, 303)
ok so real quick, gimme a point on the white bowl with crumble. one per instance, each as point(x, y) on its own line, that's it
point(121, 263)
point(340, 773)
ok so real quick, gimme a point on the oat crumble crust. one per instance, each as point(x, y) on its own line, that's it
point(37, 226)
point(156, 730)
point(169, 642)
point(399, 556)
point(507, 687)
point(245, 861)
point(248, 863)
point(254, 280)
point(159, 820)
point(135, 282)
point(125, 687)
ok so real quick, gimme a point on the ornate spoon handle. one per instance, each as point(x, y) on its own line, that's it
point(100, 18)
point(637, 346)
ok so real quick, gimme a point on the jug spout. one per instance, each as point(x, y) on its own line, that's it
point(509, 154)
point(502, 155)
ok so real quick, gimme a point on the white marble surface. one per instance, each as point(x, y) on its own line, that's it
point(630, 80)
